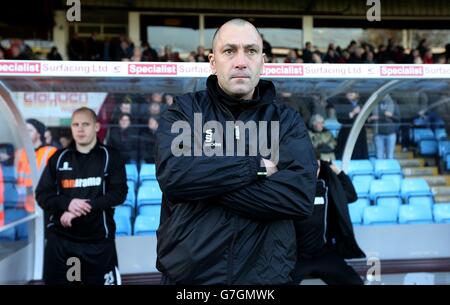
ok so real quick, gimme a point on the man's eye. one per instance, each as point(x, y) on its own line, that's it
point(252, 51)
point(228, 51)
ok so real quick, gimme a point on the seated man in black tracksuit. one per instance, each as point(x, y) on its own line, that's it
point(78, 189)
point(326, 238)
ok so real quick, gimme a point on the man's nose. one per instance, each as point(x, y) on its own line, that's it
point(241, 60)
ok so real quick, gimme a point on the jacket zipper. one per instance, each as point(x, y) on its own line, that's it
point(231, 252)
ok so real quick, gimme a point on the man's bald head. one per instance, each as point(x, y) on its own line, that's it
point(236, 22)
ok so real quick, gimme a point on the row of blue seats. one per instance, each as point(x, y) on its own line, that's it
point(391, 186)
point(387, 212)
point(19, 232)
point(428, 142)
point(146, 223)
point(374, 167)
point(147, 172)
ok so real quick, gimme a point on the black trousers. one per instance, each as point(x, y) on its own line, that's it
point(329, 267)
point(69, 262)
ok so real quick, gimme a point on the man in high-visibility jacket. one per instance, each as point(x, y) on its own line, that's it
point(36, 130)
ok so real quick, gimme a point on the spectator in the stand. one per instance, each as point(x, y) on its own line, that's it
point(414, 57)
point(124, 53)
point(76, 48)
point(348, 112)
point(168, 54)
point(331, 56)
point(152, 106)
point(94, 48)
point(319, 104)
point(307, 53)
point(54, 54)
point(369, 58)
point(124, 138)
point(321, 138)
point(344, 58)
point(147, 141)
point(200, 55)
point(168, 99)
point(125, 107)
point(291, 57)
point(148, 53)
point(137, 54)
point(386, 117)
point(316, 57)
point(267, 50)
point(65, 141)
point(357, 56)
point(442, 60)
point(49, 139)
point(428, 57)
point(191, 57)
point(422, 47)
point(2, 54)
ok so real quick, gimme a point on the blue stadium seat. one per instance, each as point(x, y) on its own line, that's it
point(9, 173)
point(426, 201)
point(362, 185)
point(360, 167)
point(383, 188)
point(447, 161)
point(8, 235)
point(377, 215)
point(18, 232)
point(387, 167)
point(394, 178)
point(333, 126)
point(132, 172)
point(130, 201)
point(146, 225)
point(441, 212)
point(440, 134)
point(149, 193)
point(422, 134)
point(428, 147)
point(150, 210)
point(393, 203)
point(11, 195)
point(123, 210)
point(412, 214)
point(444, 148)
point(414, 187)
point(356, 210)
point(147, 173)
point(123, 225)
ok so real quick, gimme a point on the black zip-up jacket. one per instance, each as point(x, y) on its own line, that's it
point(220, 223)
point(340, 228)
point(99, 176)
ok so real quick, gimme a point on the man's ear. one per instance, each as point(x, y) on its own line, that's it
point(97, 126)
point(212, 62)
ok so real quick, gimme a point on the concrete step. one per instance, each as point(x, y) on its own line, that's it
point(442, 199)
point(420, 171)
point(437, 180)
point(404, 155)
point(418, 162)
point(441, 190)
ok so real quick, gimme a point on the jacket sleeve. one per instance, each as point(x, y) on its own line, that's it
point(46, 192)
point(186, 177)
point(116, 185)
point(287, 194)
point(348, 187)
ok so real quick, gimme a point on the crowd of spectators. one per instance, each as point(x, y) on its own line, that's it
point(121, 48)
